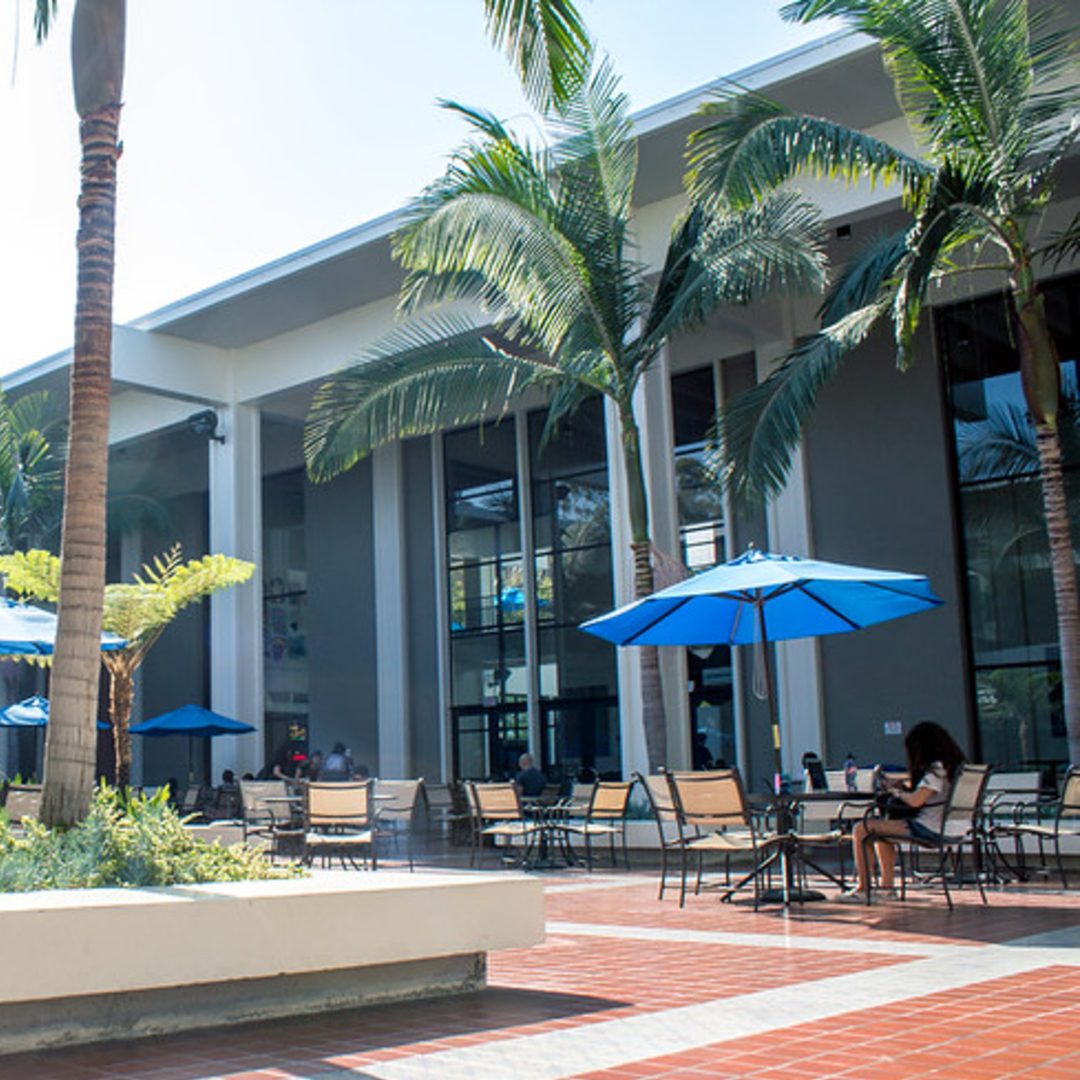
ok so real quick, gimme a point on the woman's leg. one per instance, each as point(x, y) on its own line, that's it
point(882, 832)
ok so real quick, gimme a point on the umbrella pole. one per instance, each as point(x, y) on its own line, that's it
point(770, 696)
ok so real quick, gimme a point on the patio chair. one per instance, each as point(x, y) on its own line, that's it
point(443, 810)
point(1012, 799)
point(712, 814)
point(258, 817)
point(395, 812)
point(498, 814)
point(22, 802)
point(338, 821)
point(1065, 822)
point(658, 795)
point(604, 816)
point(961, 827)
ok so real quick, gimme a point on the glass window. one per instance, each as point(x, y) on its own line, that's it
point(1012, 616)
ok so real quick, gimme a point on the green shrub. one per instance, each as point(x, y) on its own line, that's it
point(125, 841)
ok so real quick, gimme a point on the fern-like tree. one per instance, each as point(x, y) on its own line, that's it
point(538, 240)
point(989, 91)
point(139, 611)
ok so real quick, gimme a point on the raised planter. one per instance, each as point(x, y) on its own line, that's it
point(90, 964)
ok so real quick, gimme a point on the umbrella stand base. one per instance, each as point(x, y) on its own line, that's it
point(793, 896)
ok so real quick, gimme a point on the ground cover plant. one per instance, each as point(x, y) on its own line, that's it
point(126, 841)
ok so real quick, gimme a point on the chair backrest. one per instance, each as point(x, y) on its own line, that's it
point(497, 802)
point(965, 799)
point(439, 796)
point(581, 796)
point(658, 793)
point(23, 801)
point(714, 799)
point(610, 800)
point(550, 795)
point(253, 796)
point(396, 799)
point(338, 804)
point(1069, 803)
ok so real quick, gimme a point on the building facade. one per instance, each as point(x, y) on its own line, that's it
point(423, 607)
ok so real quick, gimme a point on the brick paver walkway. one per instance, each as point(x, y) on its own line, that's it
point(627, 986)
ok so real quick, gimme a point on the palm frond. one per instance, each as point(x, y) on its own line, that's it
point(547, 43)
point(755, 144)
point(421, 378)
point(1063, 245)
point(736, 258)
point(44, 16)
point(959, 209)
point(964, 69)
point(865, 276)
point(753, 439)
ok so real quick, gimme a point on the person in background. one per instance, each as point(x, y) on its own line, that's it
point(312, 768)
point(338, 765)
point(530, 780)
point(703, 759)
point(933, 761)
point(227, 796)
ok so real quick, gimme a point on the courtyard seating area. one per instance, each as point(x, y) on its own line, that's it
point(626, 986)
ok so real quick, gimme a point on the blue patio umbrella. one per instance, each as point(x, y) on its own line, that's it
point(33, 712)
point(26, 630)
point(191, 720)
point(761, 597)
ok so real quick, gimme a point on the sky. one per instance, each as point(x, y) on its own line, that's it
point(252, 128)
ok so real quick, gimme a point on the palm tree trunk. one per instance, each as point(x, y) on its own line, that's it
point(121, 696)
point(652, 698)
point(1040, 375)
point(71, 744)
point(1063, 573)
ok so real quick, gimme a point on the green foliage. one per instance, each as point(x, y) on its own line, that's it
point(126, 842)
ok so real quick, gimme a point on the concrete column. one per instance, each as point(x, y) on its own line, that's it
point(798, 666)
point(631, 727)
point(392, 675)
point(236, 617)
point(655, 419)
point(442, 605)
point(528, 575)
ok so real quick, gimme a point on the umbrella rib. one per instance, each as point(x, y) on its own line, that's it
point(828, 607)
point(659, 618)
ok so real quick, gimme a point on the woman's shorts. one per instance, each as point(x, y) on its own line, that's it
point(918, 831)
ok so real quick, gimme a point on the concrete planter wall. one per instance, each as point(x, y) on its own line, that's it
point(104, 963)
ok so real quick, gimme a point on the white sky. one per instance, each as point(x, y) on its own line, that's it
point(252, 128)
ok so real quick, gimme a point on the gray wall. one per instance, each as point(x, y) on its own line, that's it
point(880, 495)
point(341, 603)
point(420, 611)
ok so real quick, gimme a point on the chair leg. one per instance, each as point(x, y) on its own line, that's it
point(663, 868)
point(1060, 862)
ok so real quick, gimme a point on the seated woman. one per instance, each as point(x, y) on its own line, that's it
point(933, 760)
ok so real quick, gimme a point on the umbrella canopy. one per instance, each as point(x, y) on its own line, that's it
point(761, 597)
point(191, 720)
point(28, 630)
point(33, 712)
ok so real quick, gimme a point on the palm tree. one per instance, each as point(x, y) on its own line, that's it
point(31, 470)
point(985, 86)
point(97, 66)
point(540, 241)
point(139, 612)
point(547, 42)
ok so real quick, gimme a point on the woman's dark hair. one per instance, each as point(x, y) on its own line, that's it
point(929, 742)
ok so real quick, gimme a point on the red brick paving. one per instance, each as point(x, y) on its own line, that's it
point(1024, 1026)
